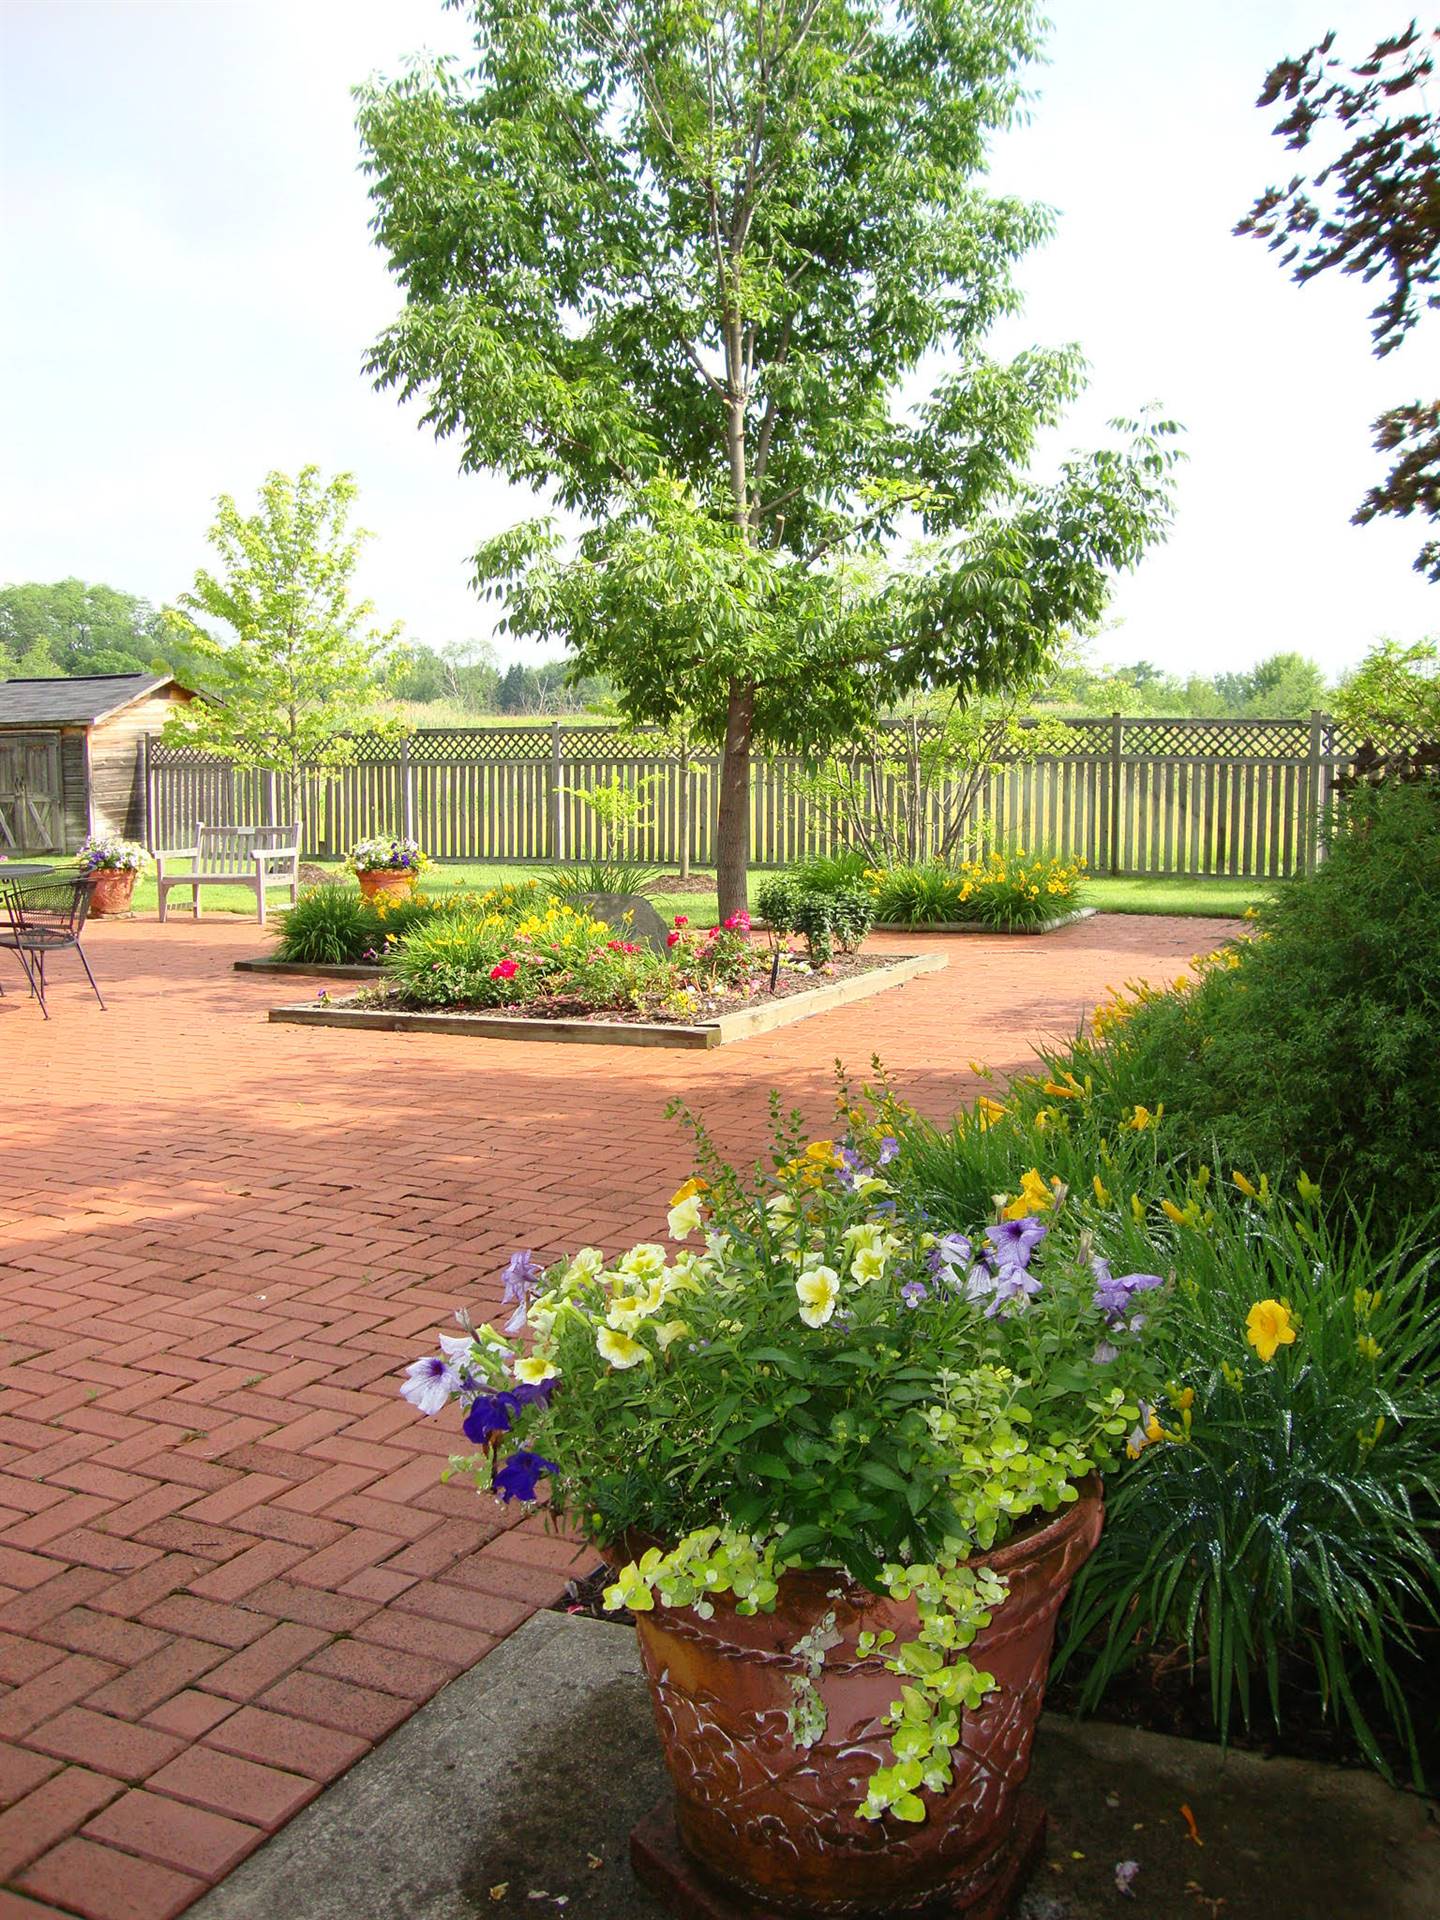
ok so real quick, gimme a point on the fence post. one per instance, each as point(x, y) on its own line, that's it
point(271, 815)
point(552, 794)
point(1117, 726)
point(407, 790)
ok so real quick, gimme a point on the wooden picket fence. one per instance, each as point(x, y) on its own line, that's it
point(1133, 796)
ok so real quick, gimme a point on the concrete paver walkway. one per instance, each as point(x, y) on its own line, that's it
point(227, 1567)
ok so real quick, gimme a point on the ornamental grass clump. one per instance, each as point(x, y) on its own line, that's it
point(812, 1375)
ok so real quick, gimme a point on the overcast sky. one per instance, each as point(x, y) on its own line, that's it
point(189, 288)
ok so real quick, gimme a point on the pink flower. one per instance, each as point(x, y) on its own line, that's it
point(672, 939)
point(504, 970)
point(738, 923)
point(682, 919)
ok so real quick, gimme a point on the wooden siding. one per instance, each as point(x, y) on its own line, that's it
point(117, 764)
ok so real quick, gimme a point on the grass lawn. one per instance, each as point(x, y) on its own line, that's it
point(1191, 897)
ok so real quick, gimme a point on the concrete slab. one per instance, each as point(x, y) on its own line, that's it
point(514, 1791)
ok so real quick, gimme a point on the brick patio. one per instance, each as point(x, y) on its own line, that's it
point(226, 1565)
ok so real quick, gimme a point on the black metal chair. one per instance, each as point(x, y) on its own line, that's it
point(41, 919)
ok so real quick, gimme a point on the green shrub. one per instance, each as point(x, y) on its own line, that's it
point(825, 919)
point(1312, 1046)
point(329, 926)
point(921, 896)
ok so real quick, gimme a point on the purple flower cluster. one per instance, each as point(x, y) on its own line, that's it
point(522, 1279)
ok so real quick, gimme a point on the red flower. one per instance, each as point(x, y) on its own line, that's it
point(672, 939)
point(682, 919)
point(504, 970)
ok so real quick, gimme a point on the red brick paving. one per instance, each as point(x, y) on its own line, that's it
point(227, 1566)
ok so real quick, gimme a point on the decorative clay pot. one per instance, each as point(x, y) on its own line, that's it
point(775, 1824)
point(389, 881)
point(111, 890)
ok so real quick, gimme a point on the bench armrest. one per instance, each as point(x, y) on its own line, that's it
point(262, 854)
point(174, 853)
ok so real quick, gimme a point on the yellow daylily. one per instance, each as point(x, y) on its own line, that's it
point(1102, 1192)
point(1367, 1346)
point(1142, 1118)
point(1268, 1327)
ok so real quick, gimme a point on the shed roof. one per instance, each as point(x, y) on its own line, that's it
point(74, 702)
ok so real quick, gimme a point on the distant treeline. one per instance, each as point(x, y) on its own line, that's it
point(72, 627)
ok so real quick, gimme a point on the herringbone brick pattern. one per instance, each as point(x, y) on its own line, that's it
point(227, 1566)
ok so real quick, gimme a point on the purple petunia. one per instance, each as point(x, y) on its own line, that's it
point(949, 1258)
point(1115, 1293)
point(430, 1383)
point(1015, 1240)
point(522, 1279)
point(520, 1475)
point(490, 1414)
point(1014, 1287)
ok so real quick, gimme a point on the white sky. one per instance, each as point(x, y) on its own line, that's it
point(188, 289)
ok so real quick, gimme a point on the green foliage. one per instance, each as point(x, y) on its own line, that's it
point(828, 873)
point(330, 925)
point(1288, 1539)
point(826, 917)
point(1312, 1046)
point(337, 926)
point(1282, 686)
point(295, 670)
point(680, 273)
point(1371, 208)
point(464, 674)
point(74, 627)
point(1283, 1532)
point(1393, 696)
point(601, 876)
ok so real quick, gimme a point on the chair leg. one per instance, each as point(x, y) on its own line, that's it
point(90, 976)
point(35, 974)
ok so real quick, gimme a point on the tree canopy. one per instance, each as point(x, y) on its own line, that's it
point(693, 273)
point(76, 627)
point(1372, 209)
point(295, 667)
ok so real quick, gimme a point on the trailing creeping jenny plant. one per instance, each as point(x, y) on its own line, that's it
point(814, 1377)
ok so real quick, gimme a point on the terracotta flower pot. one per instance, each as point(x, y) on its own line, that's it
point(111, 890)
point(387, 881)
point(775, 1823)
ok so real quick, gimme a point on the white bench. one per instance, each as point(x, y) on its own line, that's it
point(253, 857)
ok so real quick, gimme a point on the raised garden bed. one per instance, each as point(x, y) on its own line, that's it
point(858, 978)
point(311, 969)
point(975, 926)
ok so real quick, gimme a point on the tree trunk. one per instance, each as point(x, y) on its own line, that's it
point(732, 827)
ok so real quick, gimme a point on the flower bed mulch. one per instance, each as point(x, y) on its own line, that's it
point(718, 1020)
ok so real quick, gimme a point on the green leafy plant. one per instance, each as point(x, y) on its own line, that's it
point(825, 917)
point(830, 872)
point(1011, 892)
point(601, 876)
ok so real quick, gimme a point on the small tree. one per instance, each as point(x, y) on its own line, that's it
point(1372, 209)
point(294, 671)
point(1393, 697)
point(910, 789)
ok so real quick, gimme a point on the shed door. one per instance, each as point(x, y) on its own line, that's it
point(31, 813)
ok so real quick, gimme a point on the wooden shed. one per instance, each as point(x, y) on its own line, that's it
point(72, 757)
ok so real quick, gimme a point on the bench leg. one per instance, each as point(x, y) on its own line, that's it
point(260, 902)
point(195, 909)
point(164, 893)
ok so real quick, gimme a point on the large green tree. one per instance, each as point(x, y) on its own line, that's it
point(1370, 206)
point(720, 280)
point(295, 668)
point(76, 627)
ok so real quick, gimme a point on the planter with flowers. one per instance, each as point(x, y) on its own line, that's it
point(844, 1468)
point(386, 866)
point(111, 866)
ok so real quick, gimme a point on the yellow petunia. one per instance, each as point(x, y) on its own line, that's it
point(535, 1370)
point(817, 1291)
point(619, 1349)
point(1268, 1327)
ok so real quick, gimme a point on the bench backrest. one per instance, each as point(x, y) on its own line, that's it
point(232, 849)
